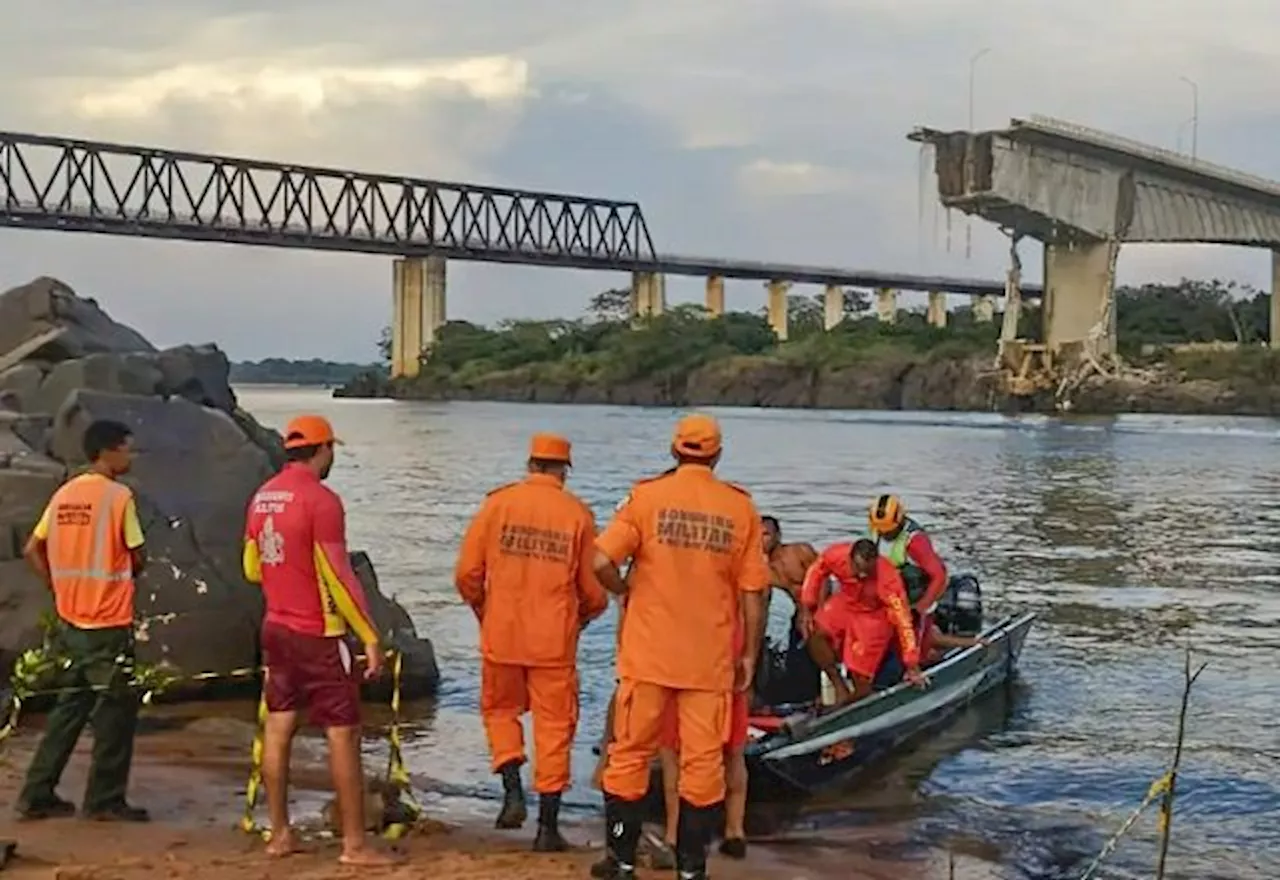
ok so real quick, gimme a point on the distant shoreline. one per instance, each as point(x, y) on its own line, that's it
point(1226, 385)
point(307, 373)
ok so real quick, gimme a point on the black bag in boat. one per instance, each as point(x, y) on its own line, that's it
point(785, 673)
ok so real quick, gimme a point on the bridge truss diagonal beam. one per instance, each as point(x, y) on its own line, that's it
point(85, 186)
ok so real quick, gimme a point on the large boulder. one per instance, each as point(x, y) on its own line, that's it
point(63, 364)
point(47, 304)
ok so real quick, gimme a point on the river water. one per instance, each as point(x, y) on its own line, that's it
point(1132, 538)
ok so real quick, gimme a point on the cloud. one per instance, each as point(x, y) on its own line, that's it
point(768, 177)
point(298, 89)
point(748, 128)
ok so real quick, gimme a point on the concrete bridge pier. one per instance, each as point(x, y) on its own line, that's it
point(887, 305)
point(984, 309)
point(1079, 297)
point(715, 295)
point(417, 311)
point(1274, 325)
point(648, 294)
point(936, 314)
point(777, 308)
point(832, 306)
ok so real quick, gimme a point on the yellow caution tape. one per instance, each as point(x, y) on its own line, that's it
point(247, 823)
point(36, 664)
point(1158, 788)
point(397, 775)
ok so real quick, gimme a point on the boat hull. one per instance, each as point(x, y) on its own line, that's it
point(830, 750)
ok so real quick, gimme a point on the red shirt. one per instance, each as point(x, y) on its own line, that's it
point(869, 594)
point(881, 593)
point(920, 551)
point(296, 548)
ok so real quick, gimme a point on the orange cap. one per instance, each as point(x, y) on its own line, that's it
point(550, 447)
point(697, 436)
point(309, 430)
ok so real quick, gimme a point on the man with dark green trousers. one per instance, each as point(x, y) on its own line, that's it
point(87, 546)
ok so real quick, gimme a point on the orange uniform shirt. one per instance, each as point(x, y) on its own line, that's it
point(525, 567)
point(89, 528)
point(881, 594)
point(694, 542)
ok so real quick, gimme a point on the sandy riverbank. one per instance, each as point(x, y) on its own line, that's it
point(191, 776)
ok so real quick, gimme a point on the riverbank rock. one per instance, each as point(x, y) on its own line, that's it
point(891, 379)
point(64, 363)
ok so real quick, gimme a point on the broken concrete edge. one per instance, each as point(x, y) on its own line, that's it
point(20, 353)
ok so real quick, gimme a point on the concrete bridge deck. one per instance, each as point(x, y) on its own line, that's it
point(1084, 192)
point(1053, 180)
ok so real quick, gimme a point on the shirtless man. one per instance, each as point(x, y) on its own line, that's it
point(787, 562)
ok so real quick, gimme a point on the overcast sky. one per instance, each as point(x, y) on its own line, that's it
point(766, 129)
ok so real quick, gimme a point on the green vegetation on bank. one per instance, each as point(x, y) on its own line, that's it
point(279, 371)
point(604, 349)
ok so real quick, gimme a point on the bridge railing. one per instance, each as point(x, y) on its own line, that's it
point(54, 183)
point(1101, 138)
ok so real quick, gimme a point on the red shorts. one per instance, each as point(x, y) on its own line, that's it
point(862, 637)
point(312, 672)
point(735, 740)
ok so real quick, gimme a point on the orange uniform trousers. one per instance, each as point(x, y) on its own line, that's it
point(703, 727)
point(551, 693)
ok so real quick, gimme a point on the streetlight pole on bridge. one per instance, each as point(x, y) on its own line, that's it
point(1195, 114)
point(973, 73)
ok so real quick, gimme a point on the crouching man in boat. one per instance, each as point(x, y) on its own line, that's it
point(695, 546)
point(859, 620)
point(525, 569)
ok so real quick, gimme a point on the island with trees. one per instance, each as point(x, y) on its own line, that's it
point(313, 372)
point(1192, 347)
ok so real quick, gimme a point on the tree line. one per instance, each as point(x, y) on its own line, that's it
point(282, 371)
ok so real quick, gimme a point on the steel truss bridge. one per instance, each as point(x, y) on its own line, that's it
point(116, 189)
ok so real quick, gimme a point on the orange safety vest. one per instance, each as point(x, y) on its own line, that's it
point(89, 564)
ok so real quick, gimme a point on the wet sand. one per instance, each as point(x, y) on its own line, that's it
point(191, 777)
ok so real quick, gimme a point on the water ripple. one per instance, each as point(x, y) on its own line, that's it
point(1132, 537)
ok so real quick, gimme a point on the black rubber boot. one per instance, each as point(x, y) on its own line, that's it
point(548, 838)
point(693, 835)
point(622, 824)
point(514, 809)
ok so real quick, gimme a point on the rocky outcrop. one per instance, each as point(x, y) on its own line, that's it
point(889, 380)
point(200, 457)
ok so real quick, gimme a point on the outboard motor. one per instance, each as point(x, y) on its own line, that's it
point(959, 611)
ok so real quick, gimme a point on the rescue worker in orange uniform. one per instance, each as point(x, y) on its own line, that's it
point(88, 548)
point(734, 844)
point(525, 570)
point(296, 548)
point(694, 543)
point(860, 618)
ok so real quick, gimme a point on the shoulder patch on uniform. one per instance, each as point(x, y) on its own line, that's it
point(502, 488)
point(668, 472)
point(639, 484)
